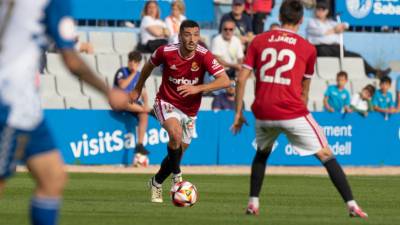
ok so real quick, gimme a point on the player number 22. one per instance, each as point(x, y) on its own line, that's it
point(275, 57)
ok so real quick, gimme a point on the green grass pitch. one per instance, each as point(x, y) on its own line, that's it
point(288, 200)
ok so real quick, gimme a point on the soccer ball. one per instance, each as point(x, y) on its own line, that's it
point(140, 160)
point(184, 194)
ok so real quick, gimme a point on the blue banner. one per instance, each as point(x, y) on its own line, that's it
point(369, 12)
point(105, 137)
point(199, 10)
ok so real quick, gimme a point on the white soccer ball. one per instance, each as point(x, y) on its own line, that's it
point(140, 160)
point(184, 194)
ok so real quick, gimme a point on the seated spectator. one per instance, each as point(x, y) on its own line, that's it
point(383, 99)
point(242, 21)
point(126, 79)
point(274, 26)
point(361, 102)
point(83, 47)
point(153, 31)
point(258, 10)
point(225, 100)
point(337, 97)
point(228, 49)
point(324, 33)
point(174, 20)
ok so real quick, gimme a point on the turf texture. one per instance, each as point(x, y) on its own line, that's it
point(97, 199)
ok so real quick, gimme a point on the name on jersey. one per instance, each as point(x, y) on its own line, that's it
point(184, 81)
point(283, 38)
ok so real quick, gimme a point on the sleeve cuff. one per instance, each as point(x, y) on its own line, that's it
point(247, 66)
point(218, 72)
point(308, 75)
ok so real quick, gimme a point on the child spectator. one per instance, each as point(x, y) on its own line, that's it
point(337, 97)
point(383, 99)
point(361, 102)
point(126, 79)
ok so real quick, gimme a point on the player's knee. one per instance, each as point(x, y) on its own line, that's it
point(53, 185)
point(176, 138)
point(324, 154)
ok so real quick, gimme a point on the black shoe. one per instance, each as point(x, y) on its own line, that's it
point(383, 73)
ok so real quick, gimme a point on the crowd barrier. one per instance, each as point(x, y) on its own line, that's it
point(92, 137)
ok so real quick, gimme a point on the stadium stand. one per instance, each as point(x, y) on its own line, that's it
point(328, 67)
point(124, 42)
point(107, 65)
point(354, 67)
point(102, 41)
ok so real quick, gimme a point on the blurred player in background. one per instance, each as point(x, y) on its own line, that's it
point(24, 134)
point(178, 100)
point(284, 64)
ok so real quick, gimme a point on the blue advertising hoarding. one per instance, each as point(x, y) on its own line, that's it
point(369, 12)
point(93, 137)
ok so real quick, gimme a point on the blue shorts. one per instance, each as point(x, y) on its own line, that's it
point(17, 145)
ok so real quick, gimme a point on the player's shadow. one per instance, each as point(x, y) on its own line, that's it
point(131, 121)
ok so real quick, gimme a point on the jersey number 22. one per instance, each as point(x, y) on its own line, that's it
point(275, 57)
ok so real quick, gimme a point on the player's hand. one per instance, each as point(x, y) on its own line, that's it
point(186, 90)
point(238, 123)
point(118, 99)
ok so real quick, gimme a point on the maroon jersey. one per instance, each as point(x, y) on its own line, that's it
point(177, 71)
point(281, 60)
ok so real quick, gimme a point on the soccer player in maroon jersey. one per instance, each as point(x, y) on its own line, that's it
point(284, 64)
point(178, 100)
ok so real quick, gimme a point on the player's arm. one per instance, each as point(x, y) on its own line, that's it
point(244, 75)
point(146, 71)
point(305, 90)
point(221, 81)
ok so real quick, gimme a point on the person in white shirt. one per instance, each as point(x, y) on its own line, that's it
point(228, 49)
point(324, 33)
point(153, 31)
point(173, 21)
point(361, 102)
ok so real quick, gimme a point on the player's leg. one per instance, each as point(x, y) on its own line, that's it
point(307, 138)
point(265, 137)
point(48, 171)
point(141, 130)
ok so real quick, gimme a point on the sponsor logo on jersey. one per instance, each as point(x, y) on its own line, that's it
point(359, 8)
point(195, 67)
point(184, 81)
point(215, 64)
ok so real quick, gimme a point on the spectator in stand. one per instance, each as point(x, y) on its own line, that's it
point(259, 9)
point(398, 93)
point(83, 47)
point(153, 31)
point(228, 49)
point(361, 102)
point(174, 20)
point(226, 99)
point(274, 26)
point(383, 99)
point(324, 33)
point(242, 21)
point(126, 79)
point(337, 97)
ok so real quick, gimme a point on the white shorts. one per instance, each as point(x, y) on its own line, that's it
point(165, 110)
point(303, 133)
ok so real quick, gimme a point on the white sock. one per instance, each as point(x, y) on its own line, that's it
point(352, 203)
point(176, 175)
point(255, 201)
point(154, 182)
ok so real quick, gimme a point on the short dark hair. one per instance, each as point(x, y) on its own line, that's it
point(342, 74)
point(291, 12)
point(386, 79)
point(135, 56)
point(370, 88)
point(188, 23)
